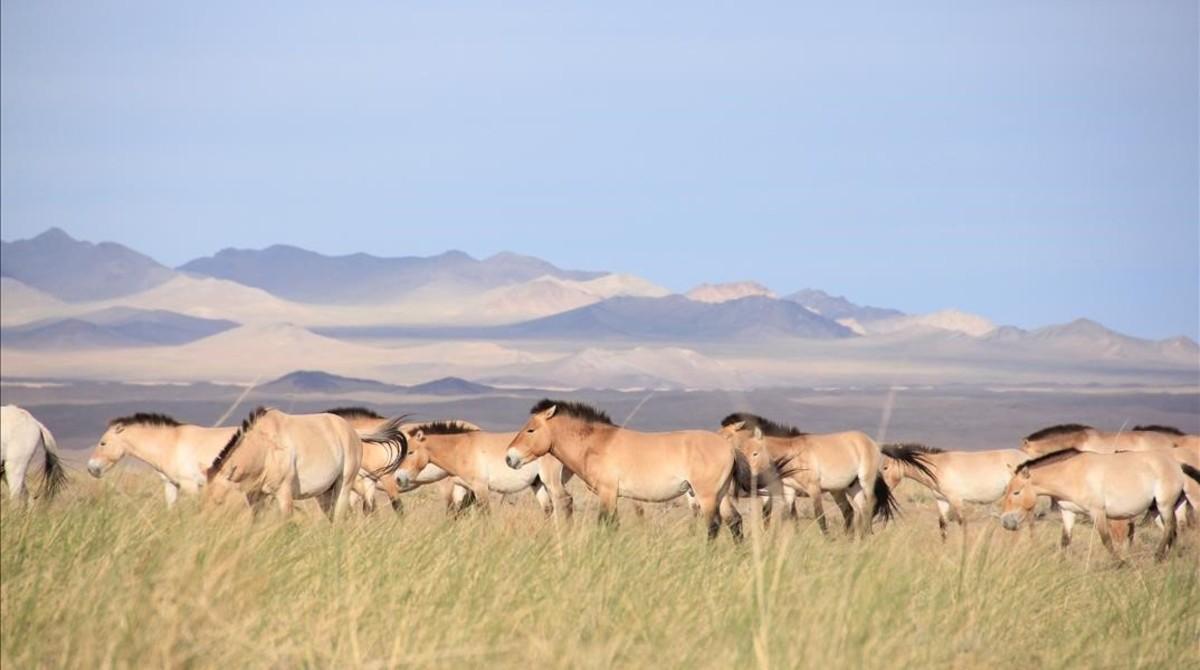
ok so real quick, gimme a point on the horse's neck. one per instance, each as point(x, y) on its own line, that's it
point(448, 451)
point(786, 446)
point(915, 474)
point(575, 439)
point(1050, 480)
point(155, 445)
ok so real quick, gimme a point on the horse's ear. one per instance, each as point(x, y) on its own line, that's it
point(550, 412)
point(418, 436)
point(1024, 473)
point(735, 427)
point(758, 433)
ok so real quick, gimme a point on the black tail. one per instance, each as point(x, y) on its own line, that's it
point(742, 477)
point(886, 507)
point(1191, 472)
point(394, 440)
point(910, 454)
point(54, 476)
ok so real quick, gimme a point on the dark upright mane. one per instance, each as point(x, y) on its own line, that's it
point(145, 419)
point(768, 427)
point(1047, 459)
point(914, 447)
point(233, 442)
point(1169, 430)
point(578, 410)
point(1061, 429)
point(354, 413)
point(446, 428)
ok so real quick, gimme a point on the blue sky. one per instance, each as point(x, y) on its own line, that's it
point(1032, 162)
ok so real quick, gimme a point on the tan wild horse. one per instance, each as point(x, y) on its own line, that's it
point(1085, 438)
point(1121, 485)
point(474, 459)
point(617, 462)
point(1187, 450)
point(379, 459)
point(954, 477)
point(180, 453)
point(845, 465)
point(292, 457)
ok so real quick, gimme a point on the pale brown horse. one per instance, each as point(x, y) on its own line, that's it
point(617, 462)
point(474, 459)
point(292, 457)
point(1187, 450)
point(1122, 485)
point(379, 459)
point(846, 465)
point(1085, 438)
point(954, 477)
point(180, 453)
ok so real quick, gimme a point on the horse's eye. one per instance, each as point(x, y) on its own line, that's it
point(529, 431)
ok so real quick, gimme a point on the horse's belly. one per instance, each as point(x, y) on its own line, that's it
point(512, 481)
point(660, 490)
point(1126, 507)
point(1071, 507)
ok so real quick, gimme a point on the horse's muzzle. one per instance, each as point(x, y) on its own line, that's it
point(95, 468)
point(513, 460)
point(1010, 521)
point(403, 480)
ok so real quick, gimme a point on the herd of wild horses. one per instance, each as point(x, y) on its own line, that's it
point(1150, 472)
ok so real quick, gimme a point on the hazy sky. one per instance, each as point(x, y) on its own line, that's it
point(1032, 162)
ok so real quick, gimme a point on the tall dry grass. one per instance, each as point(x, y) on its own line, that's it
point(106, 577)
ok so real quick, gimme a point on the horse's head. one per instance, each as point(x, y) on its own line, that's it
point(414, 461)
point(533, 440)
point(111, 448)
point(1018, 501)
point(892, 471)
point(753, 445)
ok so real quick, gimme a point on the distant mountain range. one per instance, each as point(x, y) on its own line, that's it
point(316, 381)
point(507, 319)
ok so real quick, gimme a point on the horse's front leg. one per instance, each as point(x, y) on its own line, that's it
point(818, 506)
point(1170, 528)
point(1068, 521)
point(608, 506)
point(170, 492)
point(847, 510)
point(943, 508)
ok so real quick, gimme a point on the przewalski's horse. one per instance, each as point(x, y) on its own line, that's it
point(292, 457)
point(379, 459)
point(954, 477)
point(1121, 485)
point(20, 436)
point(617, 462)
point(474, 459)
point(845, 465)
point(180, 453)
point(1085, 438)
point(1187, 450)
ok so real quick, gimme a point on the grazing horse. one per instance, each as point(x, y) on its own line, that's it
point(617, 462)
point(292, 457)
point(954, 477)
point(845, 465)
point(1121, 485)
point(474, 460)
point(1085, 438)
point(20, 437)
point(180, 453)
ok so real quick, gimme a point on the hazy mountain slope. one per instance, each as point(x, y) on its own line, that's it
point(1086, 339)
point(639, 367)
point(76, 271)
point(114, 327)
point(714, 293)
point(21, 303)
point(836, 307)
point(947, 319)
point(676, 318)
point(306, 276)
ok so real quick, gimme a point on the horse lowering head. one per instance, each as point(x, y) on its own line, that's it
point(414, 461)
point(1056, 438)
point(534, 439)
point(1019, 499)
point(752, 443)
point(117, 436)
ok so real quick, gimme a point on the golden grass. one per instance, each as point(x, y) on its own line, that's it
point(106, 577)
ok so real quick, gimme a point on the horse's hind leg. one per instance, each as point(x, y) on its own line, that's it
point(1100, 520)
point(14, 476)
point(843, 502)
point(1170, 528)
point(543, 497)
point(1121, 532)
